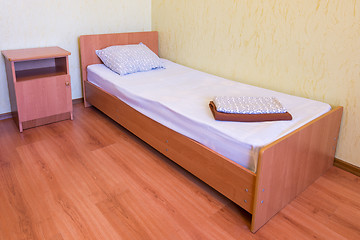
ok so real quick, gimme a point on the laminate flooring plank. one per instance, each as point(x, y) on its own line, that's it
point(17, 218)
point(335, 203)
point(76, 186)
point(235, 221)
point(158, 194)
point(50, 190)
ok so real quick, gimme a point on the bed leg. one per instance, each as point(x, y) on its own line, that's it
point(87, 104)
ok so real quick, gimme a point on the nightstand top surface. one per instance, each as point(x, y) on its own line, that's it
point(34, 53)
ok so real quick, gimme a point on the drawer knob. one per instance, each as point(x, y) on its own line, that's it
point(67, 83)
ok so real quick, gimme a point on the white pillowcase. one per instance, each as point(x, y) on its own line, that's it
point(126, 59)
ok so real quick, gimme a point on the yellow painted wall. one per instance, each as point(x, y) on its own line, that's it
point(307, 48)
point(38, 23)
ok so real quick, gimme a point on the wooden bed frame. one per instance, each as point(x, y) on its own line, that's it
point(286, 167)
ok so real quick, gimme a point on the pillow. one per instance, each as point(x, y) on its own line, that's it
point(126, 59)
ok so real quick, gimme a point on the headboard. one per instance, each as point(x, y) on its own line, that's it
point(90, 43)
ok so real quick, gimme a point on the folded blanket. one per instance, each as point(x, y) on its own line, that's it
point(241, 117)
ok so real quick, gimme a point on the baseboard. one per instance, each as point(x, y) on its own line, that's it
point(4, 116)
point(347, 166)
point(78, 100)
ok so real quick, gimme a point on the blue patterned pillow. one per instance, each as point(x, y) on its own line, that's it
point(126, 59)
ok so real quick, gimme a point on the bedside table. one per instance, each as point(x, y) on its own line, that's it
point(39, 85)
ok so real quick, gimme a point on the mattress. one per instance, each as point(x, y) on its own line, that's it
point(178, 97)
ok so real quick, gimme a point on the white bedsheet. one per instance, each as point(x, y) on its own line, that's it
point(178, 97)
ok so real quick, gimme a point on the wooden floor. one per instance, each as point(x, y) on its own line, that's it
point(91, 179)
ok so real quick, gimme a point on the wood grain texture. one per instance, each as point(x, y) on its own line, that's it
point(46, 120)
point(296, 161)
point(4, 116)
point(347, 166)
point(39, 85)
point(90, 43)
point(227, 177)
point(92, 179)
point(34, 53)
point(38, 73)
point(218, 171)
point(43, 97)
point(10, 74)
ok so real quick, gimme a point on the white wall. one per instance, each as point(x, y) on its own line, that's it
point(40, 23)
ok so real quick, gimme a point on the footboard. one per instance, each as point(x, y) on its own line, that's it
point(289, 165)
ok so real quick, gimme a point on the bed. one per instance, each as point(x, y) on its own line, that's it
point(283, 168)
